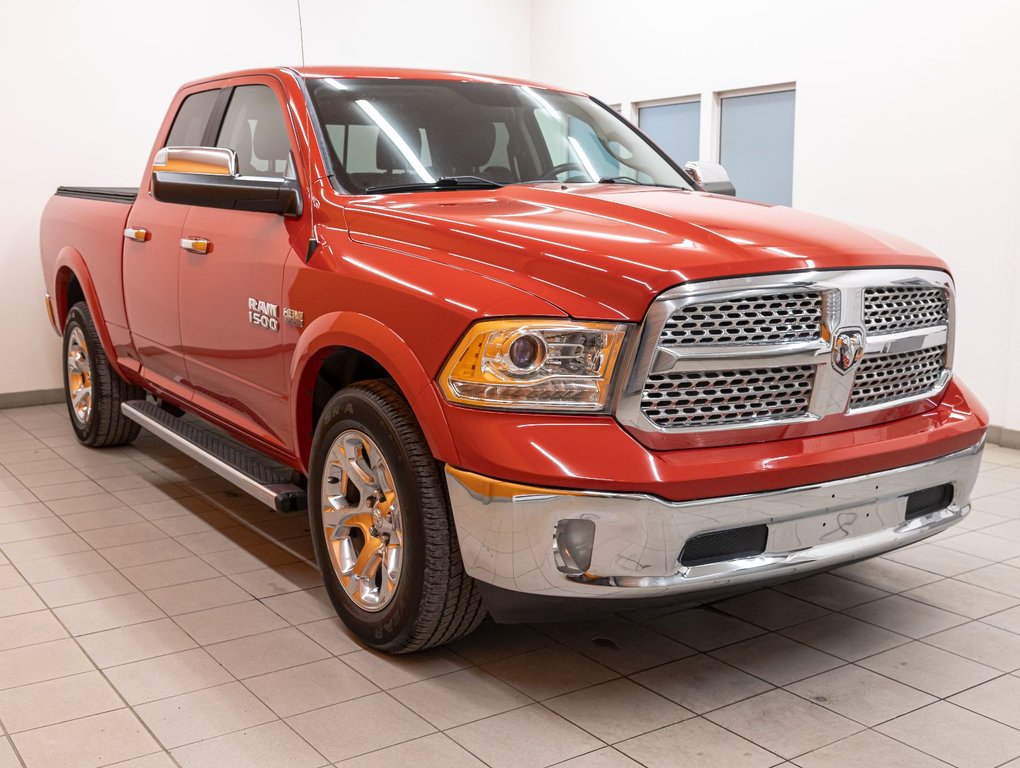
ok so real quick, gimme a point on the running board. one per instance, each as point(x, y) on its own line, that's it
point(269, 482)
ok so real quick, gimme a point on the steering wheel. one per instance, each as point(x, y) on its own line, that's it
point(556, 170)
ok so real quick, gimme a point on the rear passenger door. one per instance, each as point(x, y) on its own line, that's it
point(235, 338)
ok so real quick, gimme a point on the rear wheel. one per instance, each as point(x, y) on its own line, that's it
point(93, 390)
point(382, 528)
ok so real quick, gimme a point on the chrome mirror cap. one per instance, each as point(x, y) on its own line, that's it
point(711, 176)
point(210, 161)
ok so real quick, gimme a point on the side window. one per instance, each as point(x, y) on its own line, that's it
point(192, 117)
point(253, 127)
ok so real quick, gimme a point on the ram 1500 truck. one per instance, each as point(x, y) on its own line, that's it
point(510, 357)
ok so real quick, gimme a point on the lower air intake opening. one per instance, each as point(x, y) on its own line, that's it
point(718, 546)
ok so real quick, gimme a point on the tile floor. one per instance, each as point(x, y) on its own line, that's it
point(142, 626)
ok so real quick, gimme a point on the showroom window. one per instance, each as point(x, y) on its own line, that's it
point(756, 144)
point(189, 124)
point(674, 127)
point(253, 127)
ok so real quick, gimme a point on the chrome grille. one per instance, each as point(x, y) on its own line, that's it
point(709, 398)
point(884, 378)
point(897, 308)
point(764, 319)
point(750, 351)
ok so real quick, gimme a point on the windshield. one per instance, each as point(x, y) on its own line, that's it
point(395, 133)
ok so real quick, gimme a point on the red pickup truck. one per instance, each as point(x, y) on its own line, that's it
point(510, 356)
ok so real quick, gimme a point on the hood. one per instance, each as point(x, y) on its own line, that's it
point(604, 251)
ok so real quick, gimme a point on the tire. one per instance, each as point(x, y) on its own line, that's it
point(100, 424)
point(431, 601)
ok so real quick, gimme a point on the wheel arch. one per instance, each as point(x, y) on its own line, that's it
point(339, 349)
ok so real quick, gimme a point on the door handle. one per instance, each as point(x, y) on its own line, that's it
point(196, 245)
point(137, 234)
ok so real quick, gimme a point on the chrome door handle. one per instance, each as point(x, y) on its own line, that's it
point(196, 244)
point(137, 234)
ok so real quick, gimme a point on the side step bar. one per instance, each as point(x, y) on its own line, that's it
point(269, 482)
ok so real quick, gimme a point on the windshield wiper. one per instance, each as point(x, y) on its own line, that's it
point(620, 180)
point(444, 182)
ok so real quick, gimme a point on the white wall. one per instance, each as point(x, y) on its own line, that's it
point(907, 120)
point(86, 85)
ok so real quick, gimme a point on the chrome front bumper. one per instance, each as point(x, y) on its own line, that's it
point(508, 532)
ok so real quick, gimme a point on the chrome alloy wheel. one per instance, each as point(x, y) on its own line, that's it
point(361, 519)
point(79, 376)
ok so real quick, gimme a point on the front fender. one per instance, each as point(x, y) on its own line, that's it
point(370, 337)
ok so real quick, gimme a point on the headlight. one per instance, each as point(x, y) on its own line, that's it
point(534, 364)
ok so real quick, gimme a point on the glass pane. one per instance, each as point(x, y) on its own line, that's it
point(253, 127)
point(675, 128)
point(189, 124)
point(756, 145)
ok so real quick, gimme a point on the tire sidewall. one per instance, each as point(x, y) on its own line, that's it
point(77, 318)
point(390, 626)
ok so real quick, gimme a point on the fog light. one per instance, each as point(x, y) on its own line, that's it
point(572, 545)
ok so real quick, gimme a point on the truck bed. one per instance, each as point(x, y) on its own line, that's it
point(108, 194)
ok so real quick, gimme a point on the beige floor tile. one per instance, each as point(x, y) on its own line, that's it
point(195, 522)
point(66, 490)
point(391, 671)
point(273, 745)
point(219, 541)
point(983, 643)
point(607, 757)
point(145, 552)
point(965, 599)
point(932, 670)
point(20, 552)
point(998, 577)
point(845, 637)
point(157, 510)
point(31, 529)
point(101, 518)
point(63, 567)
point(82, 589)
point(133, 496)
point(170, 675)
point(617, 710)
point(1008, 620)
point(621, 645)
point(831, 591)
point(496, 740)
point(17, 496)
point(229, 622)
point(980, 544)
point(9, 577)
point(938, 559)
point(905, 616)
point(310, 686)
point(44, 661)
point(436, 749)
point(89, 503)
point(776, 659)
point(54, 701)
point(267, 582)
point(332, 635)
point(696, 743)
point(318, 727)
point(460, 697)
point(549, 672)
point(701, 683)
point(29, 629)
point(784, 723)
point(770, 609)
point(704, 629)
point(302, 607)
point(998, 699)
point(956, 735)
point(262, 554)
point(169, 573)
point(197, 595)
point(121, 535)
point(15, 600)
point(41, 479)
point(267, 652)
point(860, 694)
point(491, 642)
point(886, 574)
point(135, 643)
point(108, 613)
point(868, 748)
point(204, 714)
point(92, 741)
point(20, 512)
point(8, 759)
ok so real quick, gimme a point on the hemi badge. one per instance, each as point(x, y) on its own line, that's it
point(294, 317)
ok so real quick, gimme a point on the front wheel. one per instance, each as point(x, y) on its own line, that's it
point(381, 525)
point(93, 389)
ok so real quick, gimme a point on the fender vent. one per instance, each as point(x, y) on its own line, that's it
point(724, 545)
point(929, 500)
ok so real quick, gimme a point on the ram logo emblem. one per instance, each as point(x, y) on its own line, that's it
point(847, 349)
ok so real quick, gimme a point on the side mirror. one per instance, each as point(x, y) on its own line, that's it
point(711, 176)
point(208, 176)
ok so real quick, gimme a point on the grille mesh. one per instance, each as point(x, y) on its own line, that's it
point(884, 378)
point(893, 309)
point(680, 399)
point(768, 319)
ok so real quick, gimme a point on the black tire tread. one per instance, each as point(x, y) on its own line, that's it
point(107, 426)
